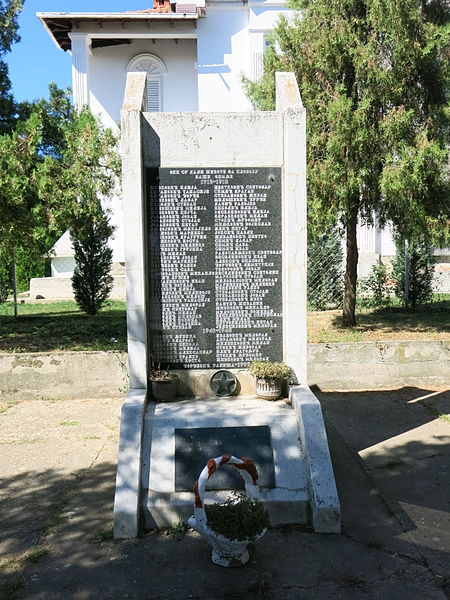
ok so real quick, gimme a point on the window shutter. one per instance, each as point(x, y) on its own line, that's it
point(153, 95)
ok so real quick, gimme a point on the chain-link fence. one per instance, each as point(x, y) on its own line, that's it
point(415, 276)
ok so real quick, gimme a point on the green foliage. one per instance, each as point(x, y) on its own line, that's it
point(374, 290)
point(52, 154)
point(28, 265)
point(9, 10)
point(5, 276)
point(238, 518)
point(56, 115)
point(325, 258)
point(413, 270)
point(374, 78)
point(92, 281)
point(268, 370)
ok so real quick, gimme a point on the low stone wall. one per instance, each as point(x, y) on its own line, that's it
point(59, 375)
point(378, 365)
point(361, 365)
point(60, 288)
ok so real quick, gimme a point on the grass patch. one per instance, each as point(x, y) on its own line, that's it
point(36, 554)
point(11, 568)
point(429, 322)
point(104, 535)
point(437, 412)
point(23, 441)
point(56, 326)
point(53, 326)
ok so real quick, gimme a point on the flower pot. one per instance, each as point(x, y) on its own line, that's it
point(225, 552)
point(268, 389)
point(163, 391)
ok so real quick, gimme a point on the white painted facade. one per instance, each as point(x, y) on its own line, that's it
point(203, 54)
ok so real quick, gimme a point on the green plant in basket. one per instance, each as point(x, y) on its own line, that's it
point(238, 518)
point(270, 370)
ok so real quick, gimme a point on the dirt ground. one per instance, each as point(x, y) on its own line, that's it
point(391, 455)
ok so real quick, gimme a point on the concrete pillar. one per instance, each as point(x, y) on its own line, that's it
point(288, 102)
point(134, 223)
point(80, 68)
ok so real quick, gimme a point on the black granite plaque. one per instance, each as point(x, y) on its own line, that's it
point(214, 264)
point(194, 447)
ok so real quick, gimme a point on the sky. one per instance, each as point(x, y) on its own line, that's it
point(36, 61)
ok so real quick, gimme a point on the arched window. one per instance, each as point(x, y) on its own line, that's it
point(155, 69)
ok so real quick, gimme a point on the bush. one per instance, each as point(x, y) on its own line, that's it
point(414, 262)
point(325, 280)
point(92, 281)
point(374, 290)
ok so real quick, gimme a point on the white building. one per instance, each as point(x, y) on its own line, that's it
point(195, 55)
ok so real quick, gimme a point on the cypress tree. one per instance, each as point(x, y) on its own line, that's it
point(92, 280)
point(374, 78)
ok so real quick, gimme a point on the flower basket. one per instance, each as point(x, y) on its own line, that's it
point(269, 378)
point(229, 547)
point(162, 385)
point(268, 389)
point(163, 391)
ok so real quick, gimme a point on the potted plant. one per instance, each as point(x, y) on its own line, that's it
point(230, 526)
point(269, 378)
point(163, 386)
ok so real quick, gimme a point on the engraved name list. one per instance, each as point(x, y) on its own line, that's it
point(215, 288)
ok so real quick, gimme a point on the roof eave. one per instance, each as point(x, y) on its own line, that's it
point(44, 17)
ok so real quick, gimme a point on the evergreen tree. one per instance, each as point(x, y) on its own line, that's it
point(9, 11)
point(413, 270)
point(374, 78)
point(92, 281)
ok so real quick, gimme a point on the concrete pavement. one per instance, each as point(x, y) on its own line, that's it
point(390, 453)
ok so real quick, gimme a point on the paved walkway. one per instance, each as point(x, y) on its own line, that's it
point(391, 456)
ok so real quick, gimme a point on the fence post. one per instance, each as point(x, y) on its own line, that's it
point(406, 290)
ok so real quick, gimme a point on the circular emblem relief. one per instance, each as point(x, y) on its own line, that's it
point(223, 383)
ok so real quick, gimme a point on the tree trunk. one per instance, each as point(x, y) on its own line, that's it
point(351, 275)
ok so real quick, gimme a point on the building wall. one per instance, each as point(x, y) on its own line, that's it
point(108, 71)
point(223, 48)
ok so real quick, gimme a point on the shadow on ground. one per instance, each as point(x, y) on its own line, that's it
point(402, 440)
point(391, 515)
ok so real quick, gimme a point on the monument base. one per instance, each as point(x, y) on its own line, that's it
point(271, 440)
point(164, 446)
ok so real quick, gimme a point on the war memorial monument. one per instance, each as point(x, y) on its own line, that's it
point(215, 245)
